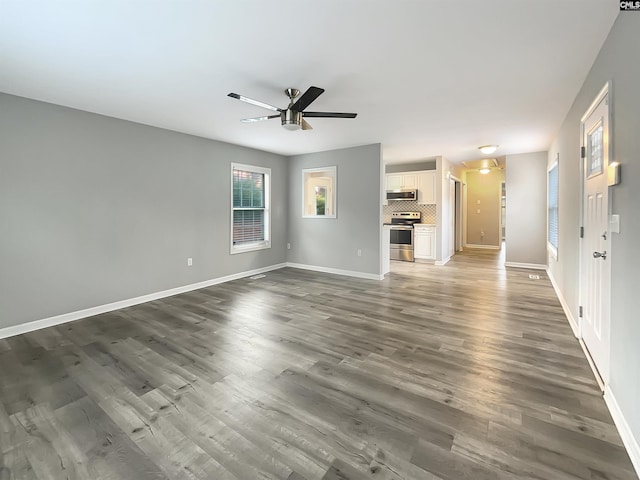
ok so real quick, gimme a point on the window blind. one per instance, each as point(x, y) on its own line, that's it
point(552, 207)
point(248, 207)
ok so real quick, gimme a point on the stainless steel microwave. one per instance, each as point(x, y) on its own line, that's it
point(403, 194)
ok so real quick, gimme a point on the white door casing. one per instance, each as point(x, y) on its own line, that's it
point(452, 217)
point(595, 265)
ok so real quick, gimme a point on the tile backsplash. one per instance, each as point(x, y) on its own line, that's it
point(428, 211)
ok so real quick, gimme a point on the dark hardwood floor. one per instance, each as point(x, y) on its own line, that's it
point(467, 371)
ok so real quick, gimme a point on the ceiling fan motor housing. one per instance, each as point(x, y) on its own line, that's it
point(291, 120)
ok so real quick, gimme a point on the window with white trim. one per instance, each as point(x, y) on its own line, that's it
point(552, 208)
point(250, 199)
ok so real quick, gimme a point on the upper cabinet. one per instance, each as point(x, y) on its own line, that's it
point(426, 187)
point(424, 182)
point(397, 181)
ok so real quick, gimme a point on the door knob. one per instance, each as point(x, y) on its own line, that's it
point(598, 255)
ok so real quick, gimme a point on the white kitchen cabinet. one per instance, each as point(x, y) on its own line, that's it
point(424, 242)
point(409, 180)
point(426, 187)
point(393, 182)
point(396, 181)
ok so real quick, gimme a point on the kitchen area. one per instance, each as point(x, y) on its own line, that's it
point(409, 215)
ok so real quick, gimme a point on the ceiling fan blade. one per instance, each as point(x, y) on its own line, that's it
point(307, 98)
point(254, 102)
point(305, 125)
point(329, 114)
point(258, 119)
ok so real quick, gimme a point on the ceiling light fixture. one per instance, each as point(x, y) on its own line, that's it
point(291, 120)
point(488, 149)
point(484, 171)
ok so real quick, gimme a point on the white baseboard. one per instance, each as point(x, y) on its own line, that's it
point(488, 247)
point(592, 364)
point(575, 327)
point(109, 307)
point(565, 306)
point(576, 330)
point(630, 441)
point(336, 271)
point(443, 262)
point(534, 266)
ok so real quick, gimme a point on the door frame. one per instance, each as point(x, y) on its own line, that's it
point(601, 373)
point(458, 213)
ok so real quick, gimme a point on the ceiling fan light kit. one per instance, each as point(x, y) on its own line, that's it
point(291, 118)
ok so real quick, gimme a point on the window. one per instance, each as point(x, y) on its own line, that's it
point(552, 208)
point(250, 197)
point(595, 151)
point(319, 192)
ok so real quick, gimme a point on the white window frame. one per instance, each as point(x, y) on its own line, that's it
point(551, 247)
point(266, 243)
point(332, 172)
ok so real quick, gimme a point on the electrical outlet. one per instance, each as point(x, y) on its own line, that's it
point(478, 211)
point(288, 246)
point(189, 262)
point(359, 252)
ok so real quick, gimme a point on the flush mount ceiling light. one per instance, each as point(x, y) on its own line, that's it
point(488, 149)
point(484, 171)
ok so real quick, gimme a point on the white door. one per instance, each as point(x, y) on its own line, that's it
point(596, 243)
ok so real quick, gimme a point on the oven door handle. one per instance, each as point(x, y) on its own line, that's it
point(401, 228)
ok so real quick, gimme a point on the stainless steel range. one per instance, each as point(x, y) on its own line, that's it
point(401, 239)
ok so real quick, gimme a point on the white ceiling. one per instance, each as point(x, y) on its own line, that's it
point(427, 77)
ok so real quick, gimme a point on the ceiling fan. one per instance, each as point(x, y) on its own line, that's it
point(292, 116)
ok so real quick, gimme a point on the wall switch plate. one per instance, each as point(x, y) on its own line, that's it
point(189, 262)
point(478, 202)
point(614, 223)
point(359, 252)
point(478, 211)
point(288, 246)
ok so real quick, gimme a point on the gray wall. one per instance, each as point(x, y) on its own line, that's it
point(95, 210)
point(334, 242)
point(526, 215)
point(618, 61)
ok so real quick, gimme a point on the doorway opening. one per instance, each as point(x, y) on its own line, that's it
point(503, 210)
point(457, 220)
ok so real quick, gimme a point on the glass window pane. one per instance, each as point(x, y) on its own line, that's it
point(248, 189)
point(595, 152)
point(248, 226)
point(321, 200)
